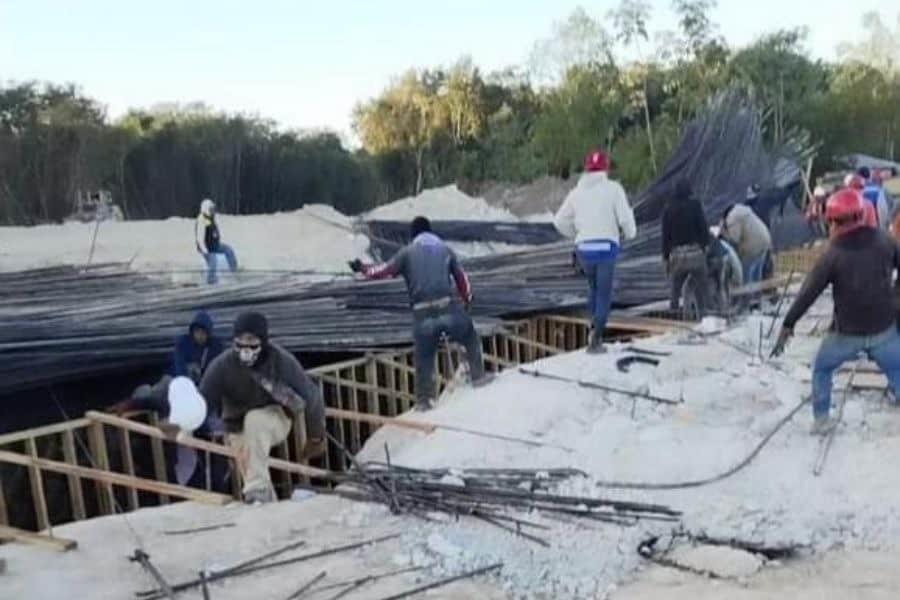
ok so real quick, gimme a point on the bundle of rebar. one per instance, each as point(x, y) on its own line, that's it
point(494, 496)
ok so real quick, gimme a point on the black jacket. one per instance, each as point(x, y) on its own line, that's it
point(230, 388)
point(860, 268)
point(683, 224)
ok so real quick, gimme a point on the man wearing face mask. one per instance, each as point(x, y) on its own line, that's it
point(258, 387)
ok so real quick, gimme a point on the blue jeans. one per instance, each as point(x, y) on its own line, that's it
point(600, 280)
point(836, 349)
point(212, 260)
point(754, 268)
point(428, 326)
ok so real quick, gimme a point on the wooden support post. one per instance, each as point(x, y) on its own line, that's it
point(131, 494)
point(106, 501)
point(390, 381)
point(4, 514)
point(405, 386)
point(76, 492)
point(327, 458)
point(299, 433)
point(38, 497)
point(287, 483)
point(355, 435)
point(374, 400)
point(159, 458)
point(36, 539)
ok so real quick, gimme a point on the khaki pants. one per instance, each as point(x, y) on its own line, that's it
point(264, 428)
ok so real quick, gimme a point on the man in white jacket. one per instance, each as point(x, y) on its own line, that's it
point(597, 214)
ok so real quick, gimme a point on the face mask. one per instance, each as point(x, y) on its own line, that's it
point(248, 354)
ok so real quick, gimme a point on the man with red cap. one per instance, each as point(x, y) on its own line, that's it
point(597, 214)
point(859, 265)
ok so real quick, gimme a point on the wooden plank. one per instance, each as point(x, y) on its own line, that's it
point(131, 494)
point(197, 444)
point(300, 437)
point(106, 501)
point(379, 420)
point(38, 497)
point(4, 513)
point(327, 459)
point(76, 491)
point(21, 436)
point(404, 394)
point(390, 382)
point(36, 539)
point(533, 344)
point(355, 434)
point(334, 368)
point(374, 396)
point(110, 478)
point(159, 457)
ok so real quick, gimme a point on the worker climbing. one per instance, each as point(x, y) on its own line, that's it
point(427, 265)
point(209, 243)
point(685, 240)
point(597, 214)
point(196, 349)
point(859, 265)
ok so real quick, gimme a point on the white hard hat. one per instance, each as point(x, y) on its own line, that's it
point(187, 408)
point(819, 191)
point(207, 206)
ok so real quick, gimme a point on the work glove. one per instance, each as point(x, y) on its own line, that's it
point(783, 338)
point(356, 265)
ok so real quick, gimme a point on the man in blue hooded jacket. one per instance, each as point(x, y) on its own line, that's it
point(196, 349)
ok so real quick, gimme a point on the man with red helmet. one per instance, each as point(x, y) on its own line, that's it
point(595, 213)
point(859, 265)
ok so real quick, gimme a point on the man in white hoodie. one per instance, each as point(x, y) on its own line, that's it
point(597, 214)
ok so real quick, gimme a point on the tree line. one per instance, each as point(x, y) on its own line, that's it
point(434, 126)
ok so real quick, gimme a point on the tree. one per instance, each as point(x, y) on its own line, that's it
point(580, 40)
point(630, 20)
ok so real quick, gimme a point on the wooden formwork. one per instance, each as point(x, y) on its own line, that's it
point(799, 260)
point(360, 395)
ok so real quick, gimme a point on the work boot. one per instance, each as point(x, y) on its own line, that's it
point(595, 343)
point(483, 380)
point(823, 425)
point(259, 496)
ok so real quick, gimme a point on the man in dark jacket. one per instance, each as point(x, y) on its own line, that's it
point(258, 388)
point(859, 265)
point(685, 238)
point(196, 349)
point(428, 265)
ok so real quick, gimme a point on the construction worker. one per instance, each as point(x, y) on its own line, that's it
point(685, 239)
point(180, 407)
point(859, 265)
point(196, 349)
point(428, 265)
point(209, 244)
point(257, 388)
point(725, 268)
point(873, 192)
point(749, 235)
point(596, 214)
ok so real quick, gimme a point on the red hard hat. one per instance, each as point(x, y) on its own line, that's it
point(844, 205)
point(596, 160)
point(855, 182)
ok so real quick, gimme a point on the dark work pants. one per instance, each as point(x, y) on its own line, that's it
point(428, 326)
point(685, 261)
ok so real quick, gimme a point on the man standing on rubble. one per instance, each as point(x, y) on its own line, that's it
point(685, 239)
point(258, 387)
point(749, 235)
point(859, 264)
point(595, 214)
point(209, 244)
point(428, 265)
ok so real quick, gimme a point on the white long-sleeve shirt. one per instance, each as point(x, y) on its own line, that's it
point(596, 209)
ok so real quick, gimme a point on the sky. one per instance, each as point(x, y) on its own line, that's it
point(305, 64)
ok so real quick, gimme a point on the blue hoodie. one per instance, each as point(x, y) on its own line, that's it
point(188, 354)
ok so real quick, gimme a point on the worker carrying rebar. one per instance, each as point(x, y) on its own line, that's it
point(859, 264)
point(196, 349)
point(258, 388)
point(744, 230)
point(209, 243)
point(685, 240)
point(596, 214)
point(428, 266)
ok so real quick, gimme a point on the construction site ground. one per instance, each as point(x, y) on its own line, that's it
point(844, 523)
